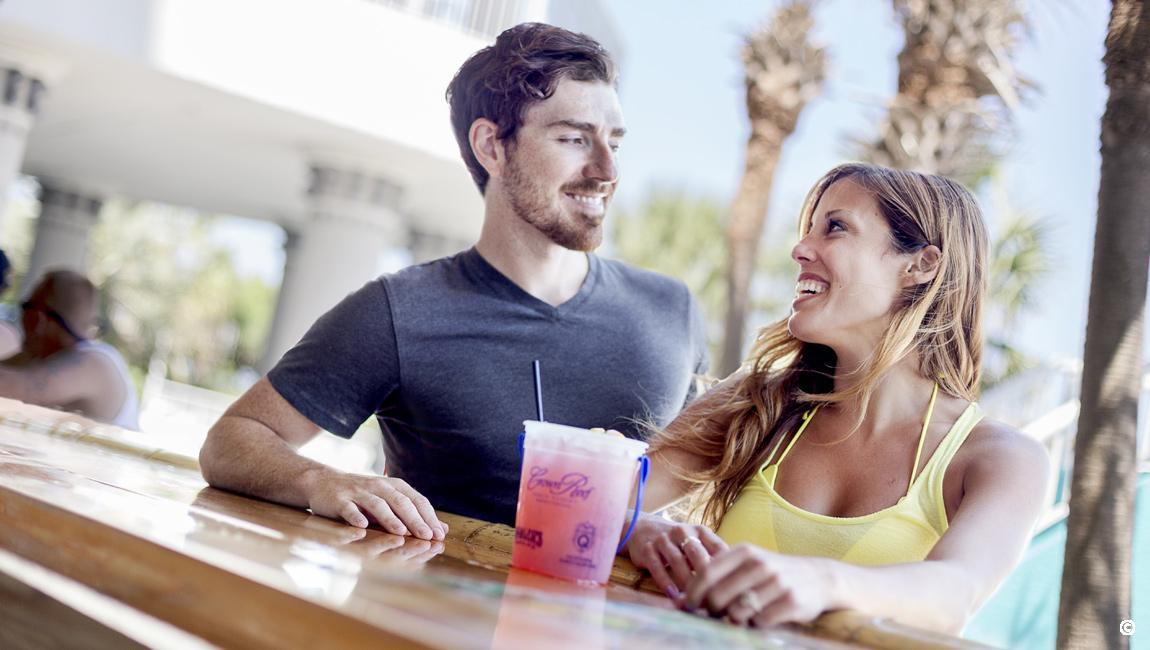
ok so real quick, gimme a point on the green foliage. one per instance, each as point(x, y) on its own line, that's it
point(253, 311)
point(18, 234)
point(681, 236)
point(172, 293)
point(773, 288)
point(1019, 260)
point(169, 291)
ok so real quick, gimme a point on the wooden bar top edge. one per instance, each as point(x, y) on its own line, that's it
point(31, 594)
point(174, 587)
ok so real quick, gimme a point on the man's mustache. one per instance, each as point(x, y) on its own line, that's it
point(589, 187)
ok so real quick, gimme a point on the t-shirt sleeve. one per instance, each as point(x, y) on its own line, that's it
point(700, 350)
point(346, 365)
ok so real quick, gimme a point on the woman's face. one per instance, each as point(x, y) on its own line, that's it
point(849, 272)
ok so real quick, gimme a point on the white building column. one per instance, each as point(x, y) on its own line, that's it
point(352, 221)
point(62, 230)
point(20, 98)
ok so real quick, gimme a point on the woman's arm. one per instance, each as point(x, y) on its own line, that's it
point(671, 552)
point(664, 485)
point(1002, 498)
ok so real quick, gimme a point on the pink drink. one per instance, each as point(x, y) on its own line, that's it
point(573, 499)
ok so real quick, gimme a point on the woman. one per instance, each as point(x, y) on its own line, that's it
point(845, 466)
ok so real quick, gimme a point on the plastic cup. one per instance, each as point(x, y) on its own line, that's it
point(573, 495)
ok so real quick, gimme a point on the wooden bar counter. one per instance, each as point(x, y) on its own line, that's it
point(108, 541)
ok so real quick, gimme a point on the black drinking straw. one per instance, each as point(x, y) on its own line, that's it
point(538, 391)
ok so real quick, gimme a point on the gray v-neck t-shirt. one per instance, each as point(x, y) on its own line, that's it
point(441, 353)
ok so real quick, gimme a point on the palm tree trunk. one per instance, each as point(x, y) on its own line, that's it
point(744, 232)
point(783, 70)
point(1097, 573)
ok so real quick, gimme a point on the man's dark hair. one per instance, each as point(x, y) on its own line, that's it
point(502, 81)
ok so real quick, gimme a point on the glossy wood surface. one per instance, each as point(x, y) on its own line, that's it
point(105, 508)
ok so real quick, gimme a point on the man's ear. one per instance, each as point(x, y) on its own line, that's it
point(487, 147)
point(924, 265)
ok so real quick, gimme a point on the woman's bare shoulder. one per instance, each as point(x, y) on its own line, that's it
point(997, 447)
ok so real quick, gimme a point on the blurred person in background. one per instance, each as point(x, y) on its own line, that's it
point(10, 337)
point(441, 352)
point(60, 365)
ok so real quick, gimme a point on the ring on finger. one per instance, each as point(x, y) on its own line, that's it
point(751, 601)
point(683, 544)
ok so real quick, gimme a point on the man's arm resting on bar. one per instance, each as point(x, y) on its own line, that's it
point(253, 449)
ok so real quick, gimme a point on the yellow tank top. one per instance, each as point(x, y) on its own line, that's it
point(904, 532)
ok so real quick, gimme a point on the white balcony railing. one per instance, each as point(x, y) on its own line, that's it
point(483, 18)
point(1057, 429)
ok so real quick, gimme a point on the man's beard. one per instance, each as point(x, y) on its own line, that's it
point(530, 203)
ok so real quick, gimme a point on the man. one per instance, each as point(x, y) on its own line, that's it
point(60, 365)
point(441, 353)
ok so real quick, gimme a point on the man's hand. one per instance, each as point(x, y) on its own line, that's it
point(399, 552)
point(359, 499)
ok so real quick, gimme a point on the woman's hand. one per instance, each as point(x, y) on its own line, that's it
point(672, 552)
point(751, 585)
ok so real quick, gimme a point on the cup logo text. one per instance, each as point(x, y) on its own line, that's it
point(573, 484)
point(529, 537)
point(584, 536)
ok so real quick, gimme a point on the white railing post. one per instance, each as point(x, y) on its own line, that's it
point(1057, 429)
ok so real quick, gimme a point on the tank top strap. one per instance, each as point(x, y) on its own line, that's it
point(922, 435)
point(950, 444)
point(807, 417)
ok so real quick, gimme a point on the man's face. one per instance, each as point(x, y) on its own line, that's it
point(561, 167)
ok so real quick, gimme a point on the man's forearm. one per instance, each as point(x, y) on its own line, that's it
point(245, 456)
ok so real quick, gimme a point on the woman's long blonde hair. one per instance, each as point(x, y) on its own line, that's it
point(732, 428)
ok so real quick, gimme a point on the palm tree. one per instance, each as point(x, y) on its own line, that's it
point(679, 235)
point(783, 71)
point(957, 91)
point(1019, 259)
point(1096, 576)
point(957, 87)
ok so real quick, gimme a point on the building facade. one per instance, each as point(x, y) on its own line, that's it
point(324, 116)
